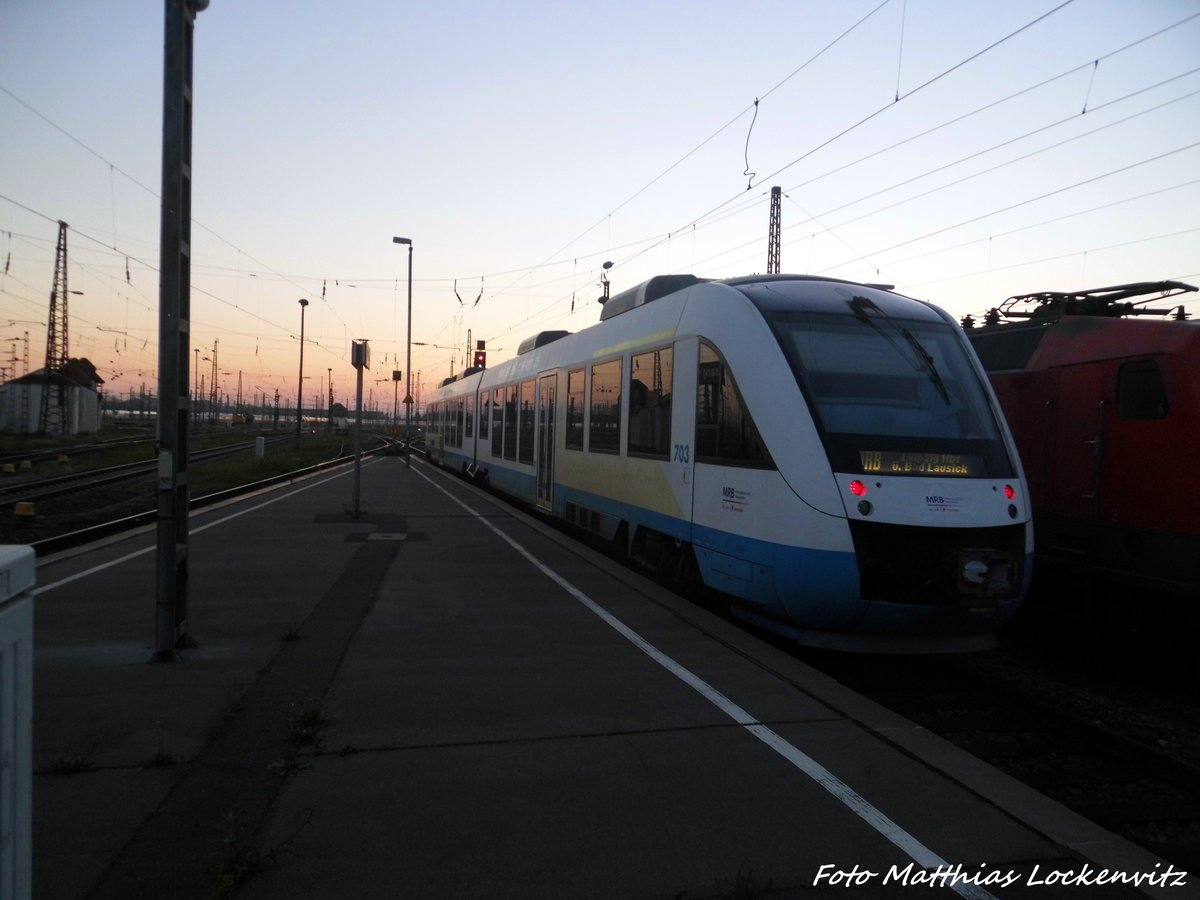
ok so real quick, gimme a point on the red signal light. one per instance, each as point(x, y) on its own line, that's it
point(857, 488)
point(1009, 491)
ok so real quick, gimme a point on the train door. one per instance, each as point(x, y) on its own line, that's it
point(1073, 488)
point(544, 464)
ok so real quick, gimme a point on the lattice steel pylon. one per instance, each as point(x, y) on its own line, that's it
point(24, 422)
point(55, 396)
point(773, 233)
point(214, 390)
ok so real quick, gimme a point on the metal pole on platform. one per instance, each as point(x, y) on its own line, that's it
point(408, 397)
point(360, 358)
point(174, 326)
point(300, 381)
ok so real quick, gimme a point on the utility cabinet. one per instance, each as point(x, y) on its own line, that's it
point(17, 576)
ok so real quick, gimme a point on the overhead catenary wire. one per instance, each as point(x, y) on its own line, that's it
point(646, 244)
point(524, 269)
point(1027, 201)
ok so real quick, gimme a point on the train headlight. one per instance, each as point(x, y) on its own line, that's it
point(975, 571)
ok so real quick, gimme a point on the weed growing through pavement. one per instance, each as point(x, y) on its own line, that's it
point(66, 766)
point(239, 859)
point(744, 887)
point(233, 706)
point(306, 728)
point(162, 759)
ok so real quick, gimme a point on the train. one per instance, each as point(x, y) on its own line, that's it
point(825, 456)
point(1102, 394)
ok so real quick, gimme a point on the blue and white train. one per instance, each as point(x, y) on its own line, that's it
point(826, 455)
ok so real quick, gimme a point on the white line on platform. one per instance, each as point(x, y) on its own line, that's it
point(845, 794)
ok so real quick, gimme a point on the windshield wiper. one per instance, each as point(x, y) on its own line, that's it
point(927, 363)
point(924, 361)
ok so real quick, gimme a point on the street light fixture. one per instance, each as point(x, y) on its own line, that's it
point(408, 360)
point(300, 381)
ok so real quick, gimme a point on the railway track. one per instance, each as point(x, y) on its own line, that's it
point(71, 450)
point(1064, 741)
point(72, 482)
point(82, 523)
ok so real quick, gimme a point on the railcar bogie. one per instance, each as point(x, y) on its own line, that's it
point(787, 441)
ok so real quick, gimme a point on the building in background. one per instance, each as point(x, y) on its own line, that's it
point(77, 388)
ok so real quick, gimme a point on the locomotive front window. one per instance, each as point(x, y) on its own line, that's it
point(1140, 391)
point(892, 396)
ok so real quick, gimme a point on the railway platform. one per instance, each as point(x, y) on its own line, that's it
point(444, 697)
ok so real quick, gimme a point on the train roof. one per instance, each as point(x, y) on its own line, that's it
point(766, 293)
point(813, 294)
point(1069, 327)
point(808, 293)
point(1076, 339)
point(652, 289)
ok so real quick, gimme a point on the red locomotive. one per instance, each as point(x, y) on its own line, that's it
point(1104, 403)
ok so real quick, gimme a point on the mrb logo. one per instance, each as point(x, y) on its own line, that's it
point(935, 499)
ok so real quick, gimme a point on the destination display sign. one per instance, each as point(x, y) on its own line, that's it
point(891, 462)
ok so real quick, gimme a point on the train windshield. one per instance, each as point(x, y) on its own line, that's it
point(892, 396)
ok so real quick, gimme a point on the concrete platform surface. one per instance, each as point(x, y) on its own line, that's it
point(443, 697)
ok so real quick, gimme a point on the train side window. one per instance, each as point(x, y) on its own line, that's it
point(510, 422)
point(725, 432)
point(604, 435)
point(458, 422)
point(497, 423)
point(575, 409)
point(468, 431)
point(1141, 393)
point(650, 403)
point(485, 403)
point(525, 447)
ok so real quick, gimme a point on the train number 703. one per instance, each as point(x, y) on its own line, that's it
point(682, 453)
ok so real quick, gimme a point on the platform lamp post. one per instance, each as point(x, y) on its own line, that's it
point(300, 381)
point(408, 398)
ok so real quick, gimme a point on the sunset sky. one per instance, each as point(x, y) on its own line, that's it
point(963, 151)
